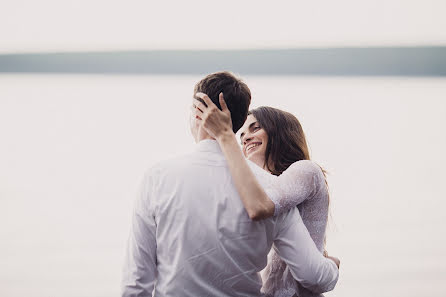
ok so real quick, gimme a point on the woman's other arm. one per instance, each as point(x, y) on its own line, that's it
point(298, 183)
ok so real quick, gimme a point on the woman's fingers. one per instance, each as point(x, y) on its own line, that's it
point(210, 117)
point(223, 105)
point(206, 99)
point(199, 105)
point(211, 104)
point(197, 113)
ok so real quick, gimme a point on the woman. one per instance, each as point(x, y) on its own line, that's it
point(274, 140)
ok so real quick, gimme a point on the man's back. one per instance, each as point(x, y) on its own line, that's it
point(194, 232)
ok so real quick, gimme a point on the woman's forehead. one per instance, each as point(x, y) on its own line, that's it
point(249, 120)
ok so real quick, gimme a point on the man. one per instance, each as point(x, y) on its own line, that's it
point(191, 235)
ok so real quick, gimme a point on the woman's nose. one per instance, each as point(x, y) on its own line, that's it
point(247, 139)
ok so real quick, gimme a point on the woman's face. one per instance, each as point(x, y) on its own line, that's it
point(254, 140)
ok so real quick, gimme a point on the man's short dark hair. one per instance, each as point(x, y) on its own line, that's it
point(236, 93)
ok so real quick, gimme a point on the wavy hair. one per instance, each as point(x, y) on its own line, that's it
point(286, 140)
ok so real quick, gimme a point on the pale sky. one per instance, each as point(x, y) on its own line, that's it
point(95, 25)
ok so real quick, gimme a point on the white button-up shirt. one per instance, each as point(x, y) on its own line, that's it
point(191, 235)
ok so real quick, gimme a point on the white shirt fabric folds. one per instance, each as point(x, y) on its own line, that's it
point(191, 236)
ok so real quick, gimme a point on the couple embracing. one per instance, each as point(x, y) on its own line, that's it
point(208, 223)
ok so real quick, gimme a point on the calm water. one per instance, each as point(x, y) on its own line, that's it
point(73, 149)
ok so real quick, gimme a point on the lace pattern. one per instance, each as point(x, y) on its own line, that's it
point(302, 185)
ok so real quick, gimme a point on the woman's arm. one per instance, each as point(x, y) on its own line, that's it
point(257, 203)
point(218, 124)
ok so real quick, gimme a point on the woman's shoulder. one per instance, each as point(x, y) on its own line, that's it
point(306, 170)
point(306, 166)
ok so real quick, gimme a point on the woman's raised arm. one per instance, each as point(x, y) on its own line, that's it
point(218, 124)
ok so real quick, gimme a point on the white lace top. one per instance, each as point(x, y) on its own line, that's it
point(302, 185)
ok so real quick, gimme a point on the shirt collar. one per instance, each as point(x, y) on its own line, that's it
point(208, 145)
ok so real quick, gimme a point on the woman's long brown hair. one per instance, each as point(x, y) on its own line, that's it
point(286, 139)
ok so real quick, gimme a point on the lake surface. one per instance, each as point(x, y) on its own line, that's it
point(73, 149)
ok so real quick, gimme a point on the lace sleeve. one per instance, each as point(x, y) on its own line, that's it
point(301, 181)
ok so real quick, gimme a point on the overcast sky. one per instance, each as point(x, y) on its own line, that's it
point(83, 25)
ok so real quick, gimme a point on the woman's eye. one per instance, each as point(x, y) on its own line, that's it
point(256, 128)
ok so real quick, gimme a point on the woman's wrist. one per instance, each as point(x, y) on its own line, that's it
point(225, 136)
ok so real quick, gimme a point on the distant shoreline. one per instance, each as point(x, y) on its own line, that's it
point(373, 61)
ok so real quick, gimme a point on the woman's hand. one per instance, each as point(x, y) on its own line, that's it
point(334, 259)
point(216, 122)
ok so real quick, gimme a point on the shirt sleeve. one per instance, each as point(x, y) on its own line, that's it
point(296, 248)
point(301, 181)
point(139, 273)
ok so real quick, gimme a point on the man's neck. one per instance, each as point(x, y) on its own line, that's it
point(202, 135)
point(203, 138)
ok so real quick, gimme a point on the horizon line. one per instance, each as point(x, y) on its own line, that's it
point(325, 61)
